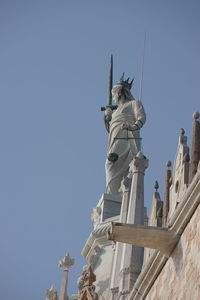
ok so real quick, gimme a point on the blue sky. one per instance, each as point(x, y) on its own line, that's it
point(54, 57)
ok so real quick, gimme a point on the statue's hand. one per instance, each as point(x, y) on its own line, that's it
point(133, 127)
point(125, 126)
point(129, 126)
point(108, 112)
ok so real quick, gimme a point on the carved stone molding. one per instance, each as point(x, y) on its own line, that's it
point(99, 233)
point(139, 164)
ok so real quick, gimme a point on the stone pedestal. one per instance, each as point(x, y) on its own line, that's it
point(98, 250)
point(110, 206)
point(132, 256)
point(115, 277)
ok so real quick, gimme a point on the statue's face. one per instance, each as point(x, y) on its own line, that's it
point(116, 97)
point(121, 94)
point(116, 93)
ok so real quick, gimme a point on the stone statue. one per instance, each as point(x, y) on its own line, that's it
point(80, 281)
point(86, 286)
point(124, 141)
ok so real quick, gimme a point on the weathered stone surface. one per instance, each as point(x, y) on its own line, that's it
point(180, 277)
point(179, 221)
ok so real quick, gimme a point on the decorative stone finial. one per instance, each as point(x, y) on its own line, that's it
point(156, 185)
point(168, 163)
point(51, 294)
point(182, 131)
point(196, 115)
point(66, 262)
point(139, 163)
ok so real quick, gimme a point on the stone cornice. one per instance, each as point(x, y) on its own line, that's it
point(99, 233)
point(178, 222)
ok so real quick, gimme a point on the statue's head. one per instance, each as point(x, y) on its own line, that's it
point(121, 92)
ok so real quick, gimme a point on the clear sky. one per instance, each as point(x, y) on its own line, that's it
point(54, 57)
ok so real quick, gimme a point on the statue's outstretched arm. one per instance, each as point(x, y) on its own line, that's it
point(140, 114)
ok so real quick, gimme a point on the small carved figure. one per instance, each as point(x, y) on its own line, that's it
point(80, 279)
point(51, 294)
point(86, 287)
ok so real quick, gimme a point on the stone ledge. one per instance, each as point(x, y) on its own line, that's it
point(157, 238)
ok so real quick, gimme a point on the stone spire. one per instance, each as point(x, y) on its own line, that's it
point(65, 263)
point(180, 175)
point(195, 149)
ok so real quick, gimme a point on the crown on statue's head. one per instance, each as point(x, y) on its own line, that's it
point(126, 82)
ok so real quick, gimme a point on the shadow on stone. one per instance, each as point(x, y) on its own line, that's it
point(102, 286)
point(177, 257)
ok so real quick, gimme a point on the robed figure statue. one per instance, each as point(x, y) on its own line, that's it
point(124, 141)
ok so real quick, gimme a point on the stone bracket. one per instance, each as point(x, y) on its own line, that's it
point(161, 239)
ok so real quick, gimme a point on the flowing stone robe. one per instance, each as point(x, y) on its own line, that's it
point(131, 112)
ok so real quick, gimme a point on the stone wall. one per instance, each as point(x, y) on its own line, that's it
point(102, 271)
point(180, 277)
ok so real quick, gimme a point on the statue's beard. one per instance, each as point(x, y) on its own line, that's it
point(120, 100)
